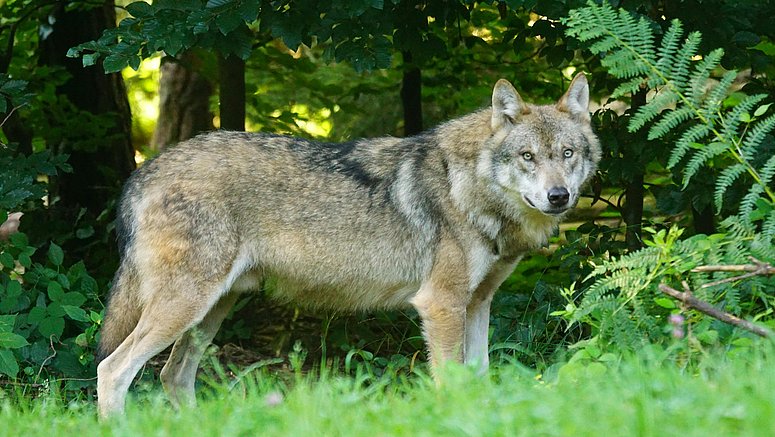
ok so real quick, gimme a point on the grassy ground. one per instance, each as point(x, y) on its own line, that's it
point(636, 397)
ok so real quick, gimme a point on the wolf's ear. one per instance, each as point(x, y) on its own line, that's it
point(576, 99)
point(507, 105)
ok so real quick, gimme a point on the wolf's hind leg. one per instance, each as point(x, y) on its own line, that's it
point(179, 373)
point(163, 321)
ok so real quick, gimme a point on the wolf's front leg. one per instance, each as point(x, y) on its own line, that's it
point(478, 316)
point(443, 325)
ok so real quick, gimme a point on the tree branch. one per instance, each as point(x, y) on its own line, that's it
point(706, 308)
point(755, 269)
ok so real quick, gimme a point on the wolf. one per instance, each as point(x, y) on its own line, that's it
point(436, 221)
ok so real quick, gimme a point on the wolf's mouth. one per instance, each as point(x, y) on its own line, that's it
point(551, 211)
point(529, 202)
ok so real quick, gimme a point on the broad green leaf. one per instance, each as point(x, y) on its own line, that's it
point(114, 63)
point(90, 59)
point(25, 260)
point(7, 322)
point(19, 239)
point(8, 363)
point(7, 260)
point(13, 288)
point(9, 340)
point(54, 309)
point(55, 291)
point(95, 316)
point(73, 298)
point(140, 9)
point(761, 110)
point(75, 313)
point(216, 3)
point(52, 326)
point(36, 315)
point(55, 254)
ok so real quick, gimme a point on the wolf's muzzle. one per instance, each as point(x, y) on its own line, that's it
point(558, 196)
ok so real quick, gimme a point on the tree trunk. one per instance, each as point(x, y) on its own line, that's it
point(411, 96)
point(704, 220)
point(184, 101)
point(98, 171)
point(632, 210)
point(231, 72)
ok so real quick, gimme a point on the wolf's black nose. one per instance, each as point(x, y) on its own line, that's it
point(558, 196)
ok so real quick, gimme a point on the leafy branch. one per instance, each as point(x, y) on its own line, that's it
point(686, 97)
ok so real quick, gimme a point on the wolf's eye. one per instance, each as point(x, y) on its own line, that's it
point(568, 153)
point(527, 156)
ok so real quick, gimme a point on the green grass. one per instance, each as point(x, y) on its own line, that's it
point(635, 397)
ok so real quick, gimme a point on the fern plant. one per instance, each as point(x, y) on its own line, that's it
point(685, 97)
point(623, 303)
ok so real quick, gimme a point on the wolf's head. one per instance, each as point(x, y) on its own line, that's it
point(541, 156)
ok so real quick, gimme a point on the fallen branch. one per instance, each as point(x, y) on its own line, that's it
point(704, 307)
point(755, 269)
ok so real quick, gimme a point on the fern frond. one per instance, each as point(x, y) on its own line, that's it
point(715, 95)
point(680, 72)
point(665, 98)
point(757, 134)
point(670, 121)
point(749, 200)
point(667, 52)
point(702, 72)
point(628, 87)
point(767, 171)
point(725, 180)
point(700, 158)
point(692, 135)
point(731, 121)
point(768, 229)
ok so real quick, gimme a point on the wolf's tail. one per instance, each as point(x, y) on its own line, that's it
point(122, 312)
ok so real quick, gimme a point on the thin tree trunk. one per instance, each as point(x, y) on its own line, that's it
point(231, 71)
point(98, 171)
point(632, 210)
point(411, 96)
point(184, 101)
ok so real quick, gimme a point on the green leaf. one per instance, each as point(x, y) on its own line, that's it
point(19, 239)
point(7, 322)
point(115, 63)
point(9, 340)
point(13, 289)
point(75, 313)
point(55, 291)
point(665, 302)
point(52, 326)
point(8, 363)
point(90, 59)
point(73, 298)
point(84, 232)
point(761, 110)
point(216, 3)
point(55, 254)
point(25, 260)
point(54, 309)
point(36, 315)
point(95, 316)
point(228, 21)
point(7, 260)
point(140, 9)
